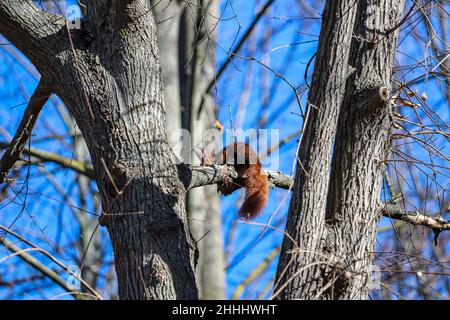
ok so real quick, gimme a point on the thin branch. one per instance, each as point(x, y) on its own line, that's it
point(45, 156)
point(255, 273)
point(234, 51)
point(23, 133)
point(47, 272)
point(416, 218)
point(198, 176)
point(55, 260)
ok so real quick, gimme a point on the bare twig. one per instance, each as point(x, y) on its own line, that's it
point(235, 50)
point(47, 272)
point(56, 261)
point(23, 133)
point(45, 156)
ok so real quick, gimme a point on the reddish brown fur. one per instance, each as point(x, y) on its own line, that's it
point(252, 175)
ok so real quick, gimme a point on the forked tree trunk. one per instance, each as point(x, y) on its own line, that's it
point(333, 215)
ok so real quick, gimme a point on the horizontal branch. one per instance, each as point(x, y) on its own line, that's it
point(280, 180)
point(45, 156)
point(414, 217)
point(200, 176)
point(23, 133)
point(206, 175)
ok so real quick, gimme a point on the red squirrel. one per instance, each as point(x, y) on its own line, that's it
point(251, 176)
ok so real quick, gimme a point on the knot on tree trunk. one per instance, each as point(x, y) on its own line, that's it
point(370, 97)
point(336, 280)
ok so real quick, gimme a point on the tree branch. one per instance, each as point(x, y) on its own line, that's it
point(47, 272)
point(206, 175)
point(45, 156)
point(199, 176)
point(23, 133)
point(51, 257)
point(414, 217)
point(30, 29)
point(234, 51)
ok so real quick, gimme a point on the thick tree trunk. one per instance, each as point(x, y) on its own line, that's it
point(108, 74)
point(335, 227)
point(141, 193)
point(361, 148)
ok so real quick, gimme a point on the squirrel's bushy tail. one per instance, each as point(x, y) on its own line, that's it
point(256, 195)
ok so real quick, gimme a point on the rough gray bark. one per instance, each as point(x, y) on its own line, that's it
point(306, 215)
point(362, 143)
point(331, 258)
point(108, 74)
point(201, 176)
